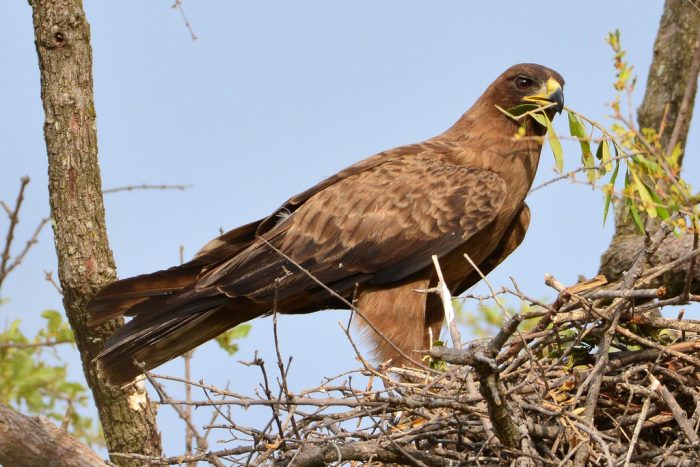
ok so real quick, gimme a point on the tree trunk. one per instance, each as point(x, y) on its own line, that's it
point(34, 441)
point(85, 262)
point(668, 103)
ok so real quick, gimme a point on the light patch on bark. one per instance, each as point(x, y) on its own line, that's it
point(138, 399)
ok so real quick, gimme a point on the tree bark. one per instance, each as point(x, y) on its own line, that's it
point(668, 103)
point(85, 262)
point(34, 441)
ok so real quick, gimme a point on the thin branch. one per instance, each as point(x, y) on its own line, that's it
point(446, 298)
point(202, 444)
point(48, 276)
point(690, 274)
point(9, 237)
point(178, 5)
point(145, 186)
point(678, 412)
point(17, 260)
point(33, 345)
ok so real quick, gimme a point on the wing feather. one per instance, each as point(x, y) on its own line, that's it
point(380, 224)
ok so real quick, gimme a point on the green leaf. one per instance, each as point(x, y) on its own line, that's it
point(226, 339)
point(675, 156)
point(632, 208)
point(554, 143)
point(651, 166)
point(608, 196)
point(660, 208)
point(578, 130)
point(541, 119)
point(522, 109)
point(603, 155)
point(32, 383)
point(53, 319)
point(647, 200)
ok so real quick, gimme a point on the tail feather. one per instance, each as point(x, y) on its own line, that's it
point(119, 297)
point(147, 290)
point(170, 316)
point(143, 344)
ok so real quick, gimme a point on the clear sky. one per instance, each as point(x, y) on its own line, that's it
point(276, 95)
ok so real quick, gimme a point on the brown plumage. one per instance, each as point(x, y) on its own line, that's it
point(367, 232)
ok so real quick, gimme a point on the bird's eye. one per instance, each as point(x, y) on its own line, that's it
point(523, 82)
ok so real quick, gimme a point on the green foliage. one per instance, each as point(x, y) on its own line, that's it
point(226, 340)
point(577, 349)
point(624, 78)
point(34, 379)
point(486, 319)
point(652, 185)
point(434, 363)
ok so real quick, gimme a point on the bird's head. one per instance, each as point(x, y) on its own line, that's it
point(528, 83)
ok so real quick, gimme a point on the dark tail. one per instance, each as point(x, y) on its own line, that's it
point(170, 316)
point(128, 296)
point(151, 339)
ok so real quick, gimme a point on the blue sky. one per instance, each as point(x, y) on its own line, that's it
point(275, 96)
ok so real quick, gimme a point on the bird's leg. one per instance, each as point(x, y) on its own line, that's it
point(399, 314)
point(434, 317)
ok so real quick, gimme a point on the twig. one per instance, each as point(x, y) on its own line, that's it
point(630, 294)
point(189, 434)
point(280, 364)
point(202, 444)
point(690, 274)
point(657, 271)
point(571, 173)
point(7, 209)
point(648, 343)
point(14, 220)
point(145, 186)
point(28, 245)
point(676, 410)
point(446, 298)
point(33, 345)
point(177, 460)
point(638, 426)
point(178, 5)
point(48, 276)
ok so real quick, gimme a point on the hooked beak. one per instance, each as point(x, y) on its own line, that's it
point(550, 92)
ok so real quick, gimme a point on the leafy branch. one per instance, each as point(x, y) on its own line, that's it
point(652, 184)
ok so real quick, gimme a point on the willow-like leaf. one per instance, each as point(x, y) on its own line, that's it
point(555, 144)
point(647, 200)
point(578, 130)
point(631, 208)
point(603, 155)
point(611, 189)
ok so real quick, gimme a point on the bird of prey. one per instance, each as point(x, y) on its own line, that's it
point(367, 233)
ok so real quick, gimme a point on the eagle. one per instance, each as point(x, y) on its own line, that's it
point(361, 239)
